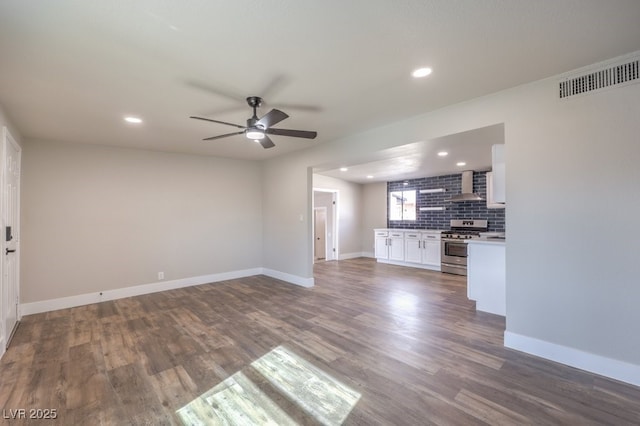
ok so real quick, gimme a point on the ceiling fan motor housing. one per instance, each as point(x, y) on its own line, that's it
point(252, 123)
point(254, 101)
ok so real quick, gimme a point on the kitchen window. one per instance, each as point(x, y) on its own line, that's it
point(402, 205)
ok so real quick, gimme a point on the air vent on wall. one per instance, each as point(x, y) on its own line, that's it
point(611, 75)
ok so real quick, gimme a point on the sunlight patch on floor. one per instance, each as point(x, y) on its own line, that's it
point(238, 401)
point(318, 394)
point(235, 401)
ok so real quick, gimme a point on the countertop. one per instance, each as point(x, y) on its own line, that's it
point(489, 241)
point(410, 230)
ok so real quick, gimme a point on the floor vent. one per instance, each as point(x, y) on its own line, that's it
point(612, 75)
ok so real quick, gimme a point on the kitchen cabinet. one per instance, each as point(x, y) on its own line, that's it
point(396, 245)
point(413, 247)
point(422, 247)
point(381, 247)
point(491, 202)
point(389, 244)
point(431, 249)
point(417, 248)
point(498, 166)
point(486, 280)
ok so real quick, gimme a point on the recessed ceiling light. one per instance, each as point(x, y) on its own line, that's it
point(369, 176)
point(421, 72)
point(443, 153)
point(343, 169)
point(134, 120)
point(461, 163)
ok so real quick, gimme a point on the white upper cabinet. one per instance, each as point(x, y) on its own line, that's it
point(491, 202)
point(498, 163)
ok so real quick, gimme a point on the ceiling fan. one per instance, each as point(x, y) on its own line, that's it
point(258, 129)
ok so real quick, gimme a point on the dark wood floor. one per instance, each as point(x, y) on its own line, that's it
point(406, 340)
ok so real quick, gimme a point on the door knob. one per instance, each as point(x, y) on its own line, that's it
point(7, 251)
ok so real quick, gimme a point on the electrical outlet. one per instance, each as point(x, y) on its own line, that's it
point(161, 275)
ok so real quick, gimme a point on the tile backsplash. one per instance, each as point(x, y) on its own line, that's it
point(440, 219)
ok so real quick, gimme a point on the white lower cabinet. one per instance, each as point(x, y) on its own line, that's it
point(486, 280)
point(431, 250)
point(416, 248)
point(381, 244)
point(396, 245)
point(413, 247)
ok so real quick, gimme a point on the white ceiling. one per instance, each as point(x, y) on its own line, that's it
point(420, 159)
point(70, 70)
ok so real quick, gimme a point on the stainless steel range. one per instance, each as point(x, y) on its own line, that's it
point(454, 249)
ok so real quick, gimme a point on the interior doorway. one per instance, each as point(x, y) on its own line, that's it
point(10, 235)
point(319, 233)
point(325, 225)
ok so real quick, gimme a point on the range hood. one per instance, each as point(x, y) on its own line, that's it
point(467, 189)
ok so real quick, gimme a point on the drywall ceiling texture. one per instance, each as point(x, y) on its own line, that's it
point(98, 218)
point(72, 69)
point(571, 191)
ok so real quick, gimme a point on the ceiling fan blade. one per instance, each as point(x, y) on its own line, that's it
point(220, 122)
point(299, 107)
point(293, 133)
point(222, 136)
point(266, 142)
point(272, 117)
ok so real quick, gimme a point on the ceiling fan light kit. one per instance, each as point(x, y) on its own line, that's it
point(258, 129)
point(254, 134)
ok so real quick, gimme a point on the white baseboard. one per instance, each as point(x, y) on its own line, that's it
point(409, 264)
point(368, 254)
point(293, 279)
point(608, 367)
point(120, 293)
point(345, 256)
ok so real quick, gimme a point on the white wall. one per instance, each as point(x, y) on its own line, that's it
point(5, 121)
point(349, 214)
point(374, 213)
point(572, 176)
point(97, 218)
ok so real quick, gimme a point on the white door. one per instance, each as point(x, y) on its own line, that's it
point(320, 231)
point(10, 234)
